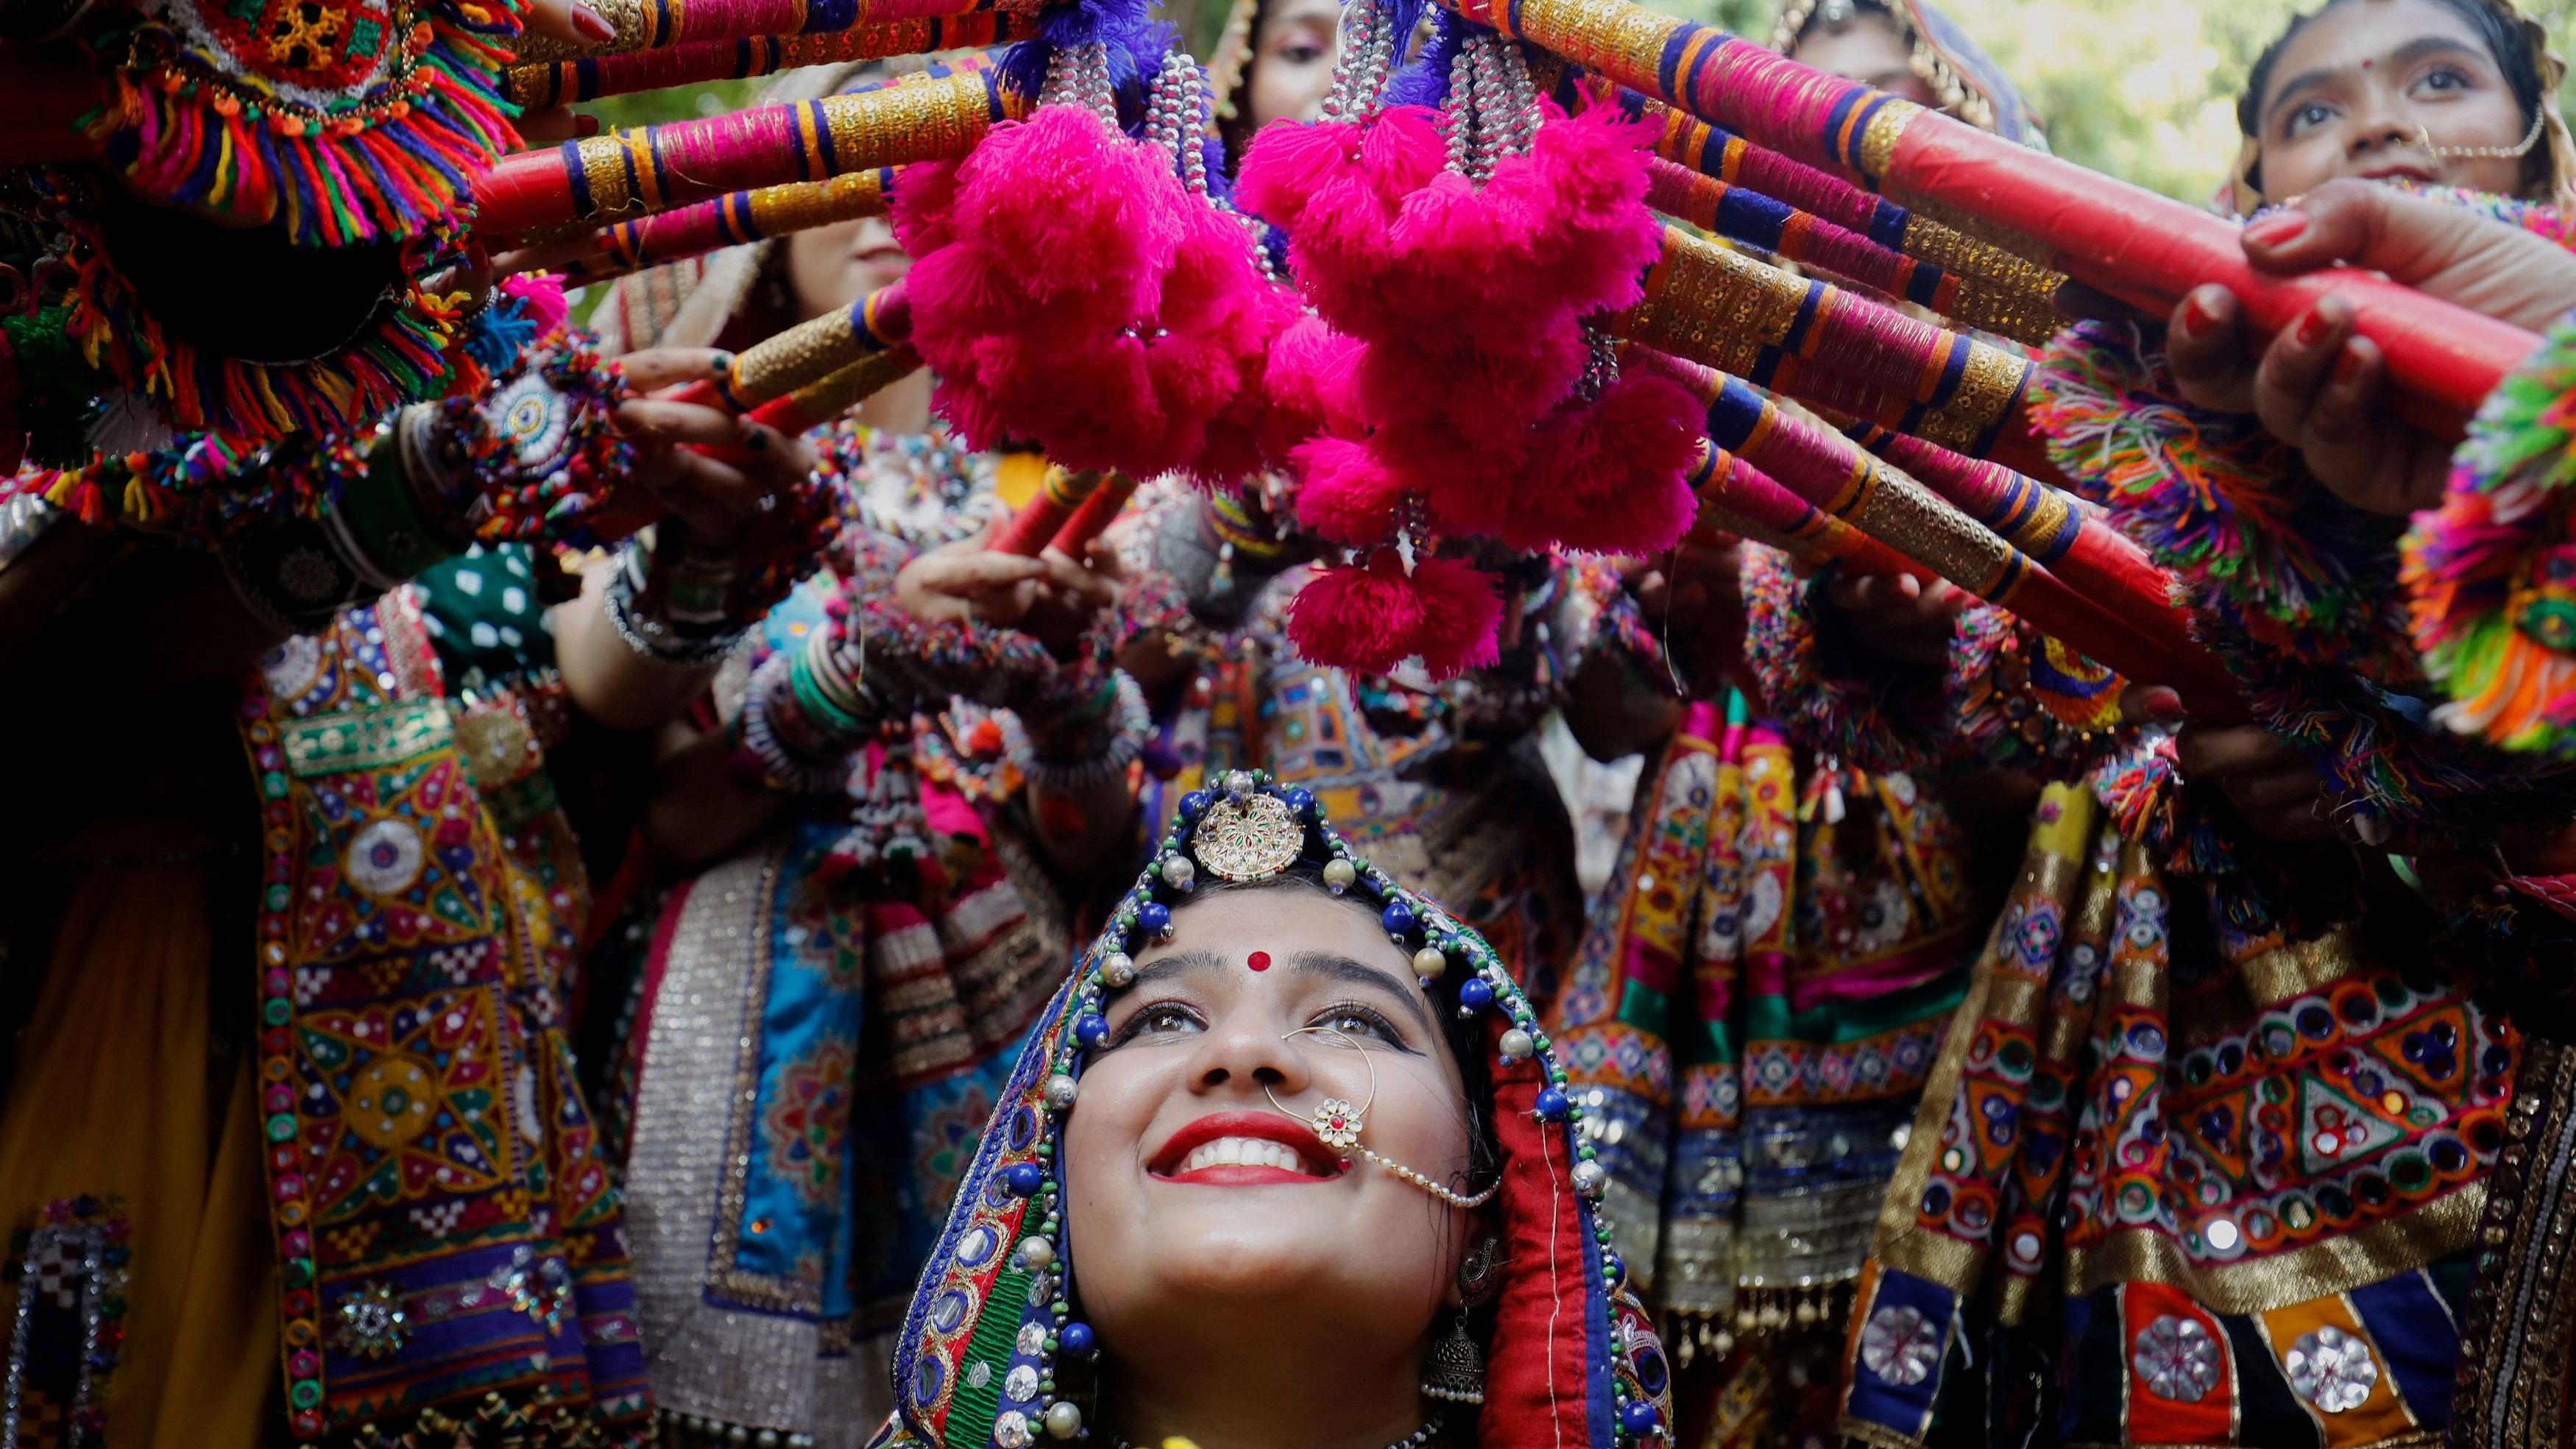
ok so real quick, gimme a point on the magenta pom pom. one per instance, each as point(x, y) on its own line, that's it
point(1308, 380)
point(1289, 163)
point(541, 300)
point(1345, 493)
point(1461, 611)
point(1359, 618)
point(1608, 476)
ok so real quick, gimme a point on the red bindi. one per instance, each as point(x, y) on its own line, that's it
point(1258, 961)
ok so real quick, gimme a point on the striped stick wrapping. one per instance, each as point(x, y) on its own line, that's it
point(1990, 287)
point(668, 24)
point(1828, 471)
point(589, 77)
point(1830, 347)
point(730, 220)
point(809, 352)
point(656, 168)
point(2121, 239)
point(1035, 525)
point(1736, 497)
point(817, 403)
point(1094, 516)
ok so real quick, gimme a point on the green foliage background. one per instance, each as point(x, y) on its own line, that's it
point(2144, 91)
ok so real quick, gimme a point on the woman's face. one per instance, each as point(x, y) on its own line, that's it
point(830, 267)
point(2361, 88)
point(1292, 60)
point(1189, 1193)
point(1866, 48)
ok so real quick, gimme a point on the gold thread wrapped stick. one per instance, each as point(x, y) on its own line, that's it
point(648, 169)
point(733, 220)
point(589, 77)
point(1828, 346)
point(667, 24)
point(817, 403)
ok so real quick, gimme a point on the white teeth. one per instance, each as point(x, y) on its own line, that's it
point(1246, 1152)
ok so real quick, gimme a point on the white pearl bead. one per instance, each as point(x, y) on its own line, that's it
point(1036, 1253)
point(1340, 874)
point(1238, 783)
point(1179, 873)
point(1061, 1090)
point(1590, 1177)
point(1517, 1044)
point(1117, 969)
point(1428, 963)
point(1063, 1420)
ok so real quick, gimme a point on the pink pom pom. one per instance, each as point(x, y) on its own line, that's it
point(1460, 613)
point(541, 300)
point(1084, 213)
point(1582, 189)
point(1608, 476)
point(1289, 163)
point(924, 207)
point(1358, 618)
point(1309, 381)
point(1345, 494)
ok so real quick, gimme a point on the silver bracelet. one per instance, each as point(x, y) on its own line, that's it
point(1134, 725)
point(654, 640)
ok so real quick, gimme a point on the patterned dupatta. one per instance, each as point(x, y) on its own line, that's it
point(994, 1352)
point(1751, 1019)
point(2175, 1186)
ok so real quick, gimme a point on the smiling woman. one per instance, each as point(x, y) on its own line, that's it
point(1288, 1163)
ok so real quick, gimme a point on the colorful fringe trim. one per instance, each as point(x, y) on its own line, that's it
point(397, 358)
point(2491, 574)
point(384, 154)
point(1826, 698)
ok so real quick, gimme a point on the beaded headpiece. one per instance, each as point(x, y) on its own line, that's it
point(997, 1314)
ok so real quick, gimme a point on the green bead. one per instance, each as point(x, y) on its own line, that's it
point(306, 1393)
point(281, 1128)
point(299, 1272)
point(277, 1011)
point(273, 785)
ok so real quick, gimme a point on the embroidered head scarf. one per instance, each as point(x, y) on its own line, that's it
point(1964, 81)
point(990, 1353)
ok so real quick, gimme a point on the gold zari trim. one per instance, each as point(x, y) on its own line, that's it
point(366, 739)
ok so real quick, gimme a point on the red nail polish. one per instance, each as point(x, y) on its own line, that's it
point(585, 125)
point(2347, 364)
point(2312, 328)
point(2278, 229)
point(2196, 315)
point(590, 24)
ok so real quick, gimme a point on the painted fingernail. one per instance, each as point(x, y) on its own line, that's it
point(2347, 364)
point(2162, 706)
point(2278, 229)
point(585, 124)
point(2197, 315)
point(720, 364)
point(589, 24)
point(755, 437)
point(2313, 327)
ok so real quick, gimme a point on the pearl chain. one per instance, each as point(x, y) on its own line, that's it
point(1427, 1185)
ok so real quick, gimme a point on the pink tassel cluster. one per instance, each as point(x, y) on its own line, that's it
point(1450, 369)
point(1068, 290)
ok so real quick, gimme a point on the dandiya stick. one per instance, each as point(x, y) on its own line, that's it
point(1094, 516)
point(666, 24)
point(1058, 497)
point(1736, 497)
point(589, 77)
point(808, 352)
point(1775, 226)
point(656, 168)
point(2040, 521)
point(1827, 471)
point(2129, 242)
point(731, 220)
point(817, 403)
point(1826, 346)
point(1993, 288)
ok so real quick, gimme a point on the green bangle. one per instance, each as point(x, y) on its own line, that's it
point(383, 518)
point(811, 698)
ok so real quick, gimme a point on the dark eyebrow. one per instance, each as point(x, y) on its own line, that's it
point(2407, 54)
point(1179, 963)
point(1358, 973)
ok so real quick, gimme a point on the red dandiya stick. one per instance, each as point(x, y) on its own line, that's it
point(1035, 525)
point(1094, 516)
point(1830, 347)
point(730, 220)
point(1774, 226)
point(1828, 471)
point(666, 24)
point(2124, 240)
point(655, 168)
point(589, 77)
point(2035, 518)
point(1736, 497)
